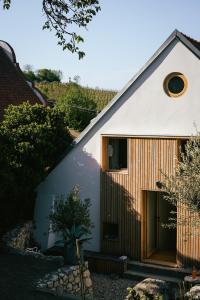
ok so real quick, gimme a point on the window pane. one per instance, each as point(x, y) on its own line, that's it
point(117, 153)
point(176, 85)
point(110, 231)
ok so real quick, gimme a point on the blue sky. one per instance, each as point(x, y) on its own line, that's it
point(118, 42)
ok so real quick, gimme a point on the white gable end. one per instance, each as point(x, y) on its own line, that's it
point(148, 110)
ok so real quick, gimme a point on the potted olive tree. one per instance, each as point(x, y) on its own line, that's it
point(71, 218)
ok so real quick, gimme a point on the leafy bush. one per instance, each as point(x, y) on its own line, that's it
point(32, 139)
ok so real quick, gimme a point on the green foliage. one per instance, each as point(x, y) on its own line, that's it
point(78, 107)
point(58, 91)
point(43, 75)
point(48, 75)
point(183, 188)
point(32, 138)
point(71, 212)
point(30, 76)
point(71, 217)
point(62, 16)
point(74, 233)
point(6, 4)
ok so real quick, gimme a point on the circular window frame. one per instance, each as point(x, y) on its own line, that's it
point(166, 84)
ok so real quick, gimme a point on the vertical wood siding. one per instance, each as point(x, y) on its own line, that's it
point(122, 193)
point(122, 198)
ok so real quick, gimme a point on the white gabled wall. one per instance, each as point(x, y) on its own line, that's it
point(143, 110)
point(81, 167)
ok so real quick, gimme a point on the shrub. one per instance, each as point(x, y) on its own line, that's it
point(32, 138)
point(71, 212)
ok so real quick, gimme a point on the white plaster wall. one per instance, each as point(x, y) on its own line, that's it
point(149, 111)
point(81, 167)
point(144, 109)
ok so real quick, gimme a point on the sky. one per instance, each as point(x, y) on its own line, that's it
point(118, 42)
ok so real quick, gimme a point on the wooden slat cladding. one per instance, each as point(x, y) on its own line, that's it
point(104, 157)
point(122, 198)
point(121, 194)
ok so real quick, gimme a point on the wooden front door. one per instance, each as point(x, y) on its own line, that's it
point(156, 238)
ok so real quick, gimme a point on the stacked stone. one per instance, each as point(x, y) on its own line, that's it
point(19, 237)
point(66, 280)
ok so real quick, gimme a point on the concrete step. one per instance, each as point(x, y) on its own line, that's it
point(136, 275)
point(157, 270)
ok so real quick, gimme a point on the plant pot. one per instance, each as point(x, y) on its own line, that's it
point(70, 257)
point(70, 254)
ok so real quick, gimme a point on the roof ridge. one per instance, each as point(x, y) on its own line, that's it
point(192, 44)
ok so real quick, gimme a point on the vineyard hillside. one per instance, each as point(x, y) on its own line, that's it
point(58, 91)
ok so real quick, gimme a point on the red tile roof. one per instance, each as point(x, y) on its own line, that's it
point(13, 86)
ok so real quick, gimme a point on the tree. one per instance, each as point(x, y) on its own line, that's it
point(62, 16)
point(78, 107)
point(71, 217)
point(43, 75)
point(30, 76)
point(28, 68)
point(77, 79)
point(32, 139)
point(29, 73)
point(48, 75)
point(71, 212)
point(183, 188)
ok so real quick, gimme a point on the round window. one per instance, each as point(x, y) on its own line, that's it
point(175, 84)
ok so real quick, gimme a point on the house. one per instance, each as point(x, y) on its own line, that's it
point(14, 89)
point(118, 158)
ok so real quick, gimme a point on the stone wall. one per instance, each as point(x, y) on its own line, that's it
point(19, 241)
point(66, 280)
point(19, 237)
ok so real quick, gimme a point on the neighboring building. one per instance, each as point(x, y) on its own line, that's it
point(14, 89)
point(118, 158)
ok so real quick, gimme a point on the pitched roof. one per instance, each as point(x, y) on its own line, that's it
point(14, 89)
point(194, 42)
point(191, 44)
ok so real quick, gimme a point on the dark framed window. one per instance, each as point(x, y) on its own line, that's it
point(117, 153)
point(175, 84)
point(110, 231)
point(183, 144)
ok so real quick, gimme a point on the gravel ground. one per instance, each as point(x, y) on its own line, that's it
point(110, 287)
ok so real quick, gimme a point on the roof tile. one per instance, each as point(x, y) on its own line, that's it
point(13, 86)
